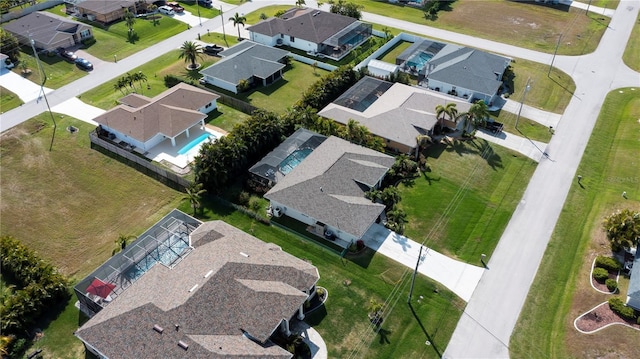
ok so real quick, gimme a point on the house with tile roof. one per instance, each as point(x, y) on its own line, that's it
point(316, 32)
point(105, 12)
point(326, 191)
point(48, 31)
point(144, 122)
point(395, 112)
point(249, 61)
point(225, 298)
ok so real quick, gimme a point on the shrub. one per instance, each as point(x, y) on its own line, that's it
point(88, 42)
point(243, 198)
point(617, 306)
point(320, 292)
point(170, 81)
point(612, 284)
point(254, 204)
point(600, 274)
point(608, 263)
point(243, 85)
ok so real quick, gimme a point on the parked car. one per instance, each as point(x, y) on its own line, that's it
point(176, 7)
point(84, 64)
point(165, 9)
point(205, 3)
point(66, 54)
point(212, 49)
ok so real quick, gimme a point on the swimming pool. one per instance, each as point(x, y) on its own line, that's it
point(419, 60)
point(203, 137)
point(166, 253)
point(293, 160)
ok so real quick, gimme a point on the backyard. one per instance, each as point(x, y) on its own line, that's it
point(561, 291)
point(462, 205)
point(52, 220)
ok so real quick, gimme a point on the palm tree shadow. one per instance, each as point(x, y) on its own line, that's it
point(430, 179)
point(492, 158)
point(424, 330)
point(384, 336)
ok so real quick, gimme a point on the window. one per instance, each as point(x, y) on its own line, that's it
point(292, 39)
point(85, 33)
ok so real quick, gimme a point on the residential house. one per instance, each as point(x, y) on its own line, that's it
point(143, 122)
point(105, 11)
point(284, 158)
point(395, 112)
point(48, 31)
point(314, 31)
point(326, 191)
point(456, 70)
point(224, 296)
point(633, 293)
point(247, 61)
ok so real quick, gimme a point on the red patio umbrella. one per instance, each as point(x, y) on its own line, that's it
point(100, 288)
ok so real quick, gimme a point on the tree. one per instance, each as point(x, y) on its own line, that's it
point(299, 3)
point(190, 52)
point(448, 110)
point(237, 21)
point(9, 45)
point(477, 115)
point(387, 33)
point(122, 241)
point(129, 19)
point(194, 195)
point(346, 8)
point(152, 8)
point(622, 228)
point(396, 219)
point(139, 77)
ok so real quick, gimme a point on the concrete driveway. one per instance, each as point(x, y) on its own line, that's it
point(24, 88)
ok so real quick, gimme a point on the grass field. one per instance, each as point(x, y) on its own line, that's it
point(550, 93)
point(475, 197)
point(631, 54)
point(561, 291)
point(270, 11)
point(8, 100)
point(71, 204)
point(521, 24)
point(226, 117)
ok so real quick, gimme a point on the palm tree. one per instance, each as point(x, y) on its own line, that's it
point(477, 115)
point(129, 19)
point(238, 20)
point(299, 3)
point(448, 110)
point(194, 194)
point(387, 33)
point(153, 8)
point(190, 51)
point(139, 77)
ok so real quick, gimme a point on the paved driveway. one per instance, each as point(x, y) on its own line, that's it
point(25, 89)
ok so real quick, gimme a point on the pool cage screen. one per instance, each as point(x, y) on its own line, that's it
point(165, 243)
point(363, 94)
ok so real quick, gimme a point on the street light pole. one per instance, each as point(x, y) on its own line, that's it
point(526, 89)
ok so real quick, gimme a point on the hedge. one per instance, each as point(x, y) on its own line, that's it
point(600, 274)
point(617, 306)
point(608, 263)
point(612, 284)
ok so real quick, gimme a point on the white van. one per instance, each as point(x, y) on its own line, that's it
point(167, 10)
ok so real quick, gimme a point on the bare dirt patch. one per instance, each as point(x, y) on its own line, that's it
point(600, 317)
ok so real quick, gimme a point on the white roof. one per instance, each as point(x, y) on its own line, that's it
point(381, 65)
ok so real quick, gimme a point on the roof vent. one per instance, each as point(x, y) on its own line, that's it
point(208, 273)
point(244, 254)
point(158, 328)
point(183, 345)
point(193, 288)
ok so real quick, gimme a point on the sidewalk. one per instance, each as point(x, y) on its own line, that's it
point(459, 277)
point(530, 148)
point(542, 117)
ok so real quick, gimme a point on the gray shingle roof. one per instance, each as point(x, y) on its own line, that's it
point(468, 68)
point(399, 114)
point(245, 60)
point(169, 113)
point(634, 282)
point(329, 185)
point(45, 28)
point(308, 24)
point(252, 287)
point(106, 7)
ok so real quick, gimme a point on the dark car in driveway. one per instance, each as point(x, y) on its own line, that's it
point(212, 49)
point(84, 64)
point(66, 54)
point(176, 7)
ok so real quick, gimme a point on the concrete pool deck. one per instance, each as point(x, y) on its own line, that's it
point(165, 152)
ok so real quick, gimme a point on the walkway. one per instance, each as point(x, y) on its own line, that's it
point(312, 338)
point(459, 277)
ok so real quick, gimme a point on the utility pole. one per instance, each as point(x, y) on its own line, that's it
point(588, 5)
point(198, 7)
point(526, 89)
point(44, 95)
point(224, 35)
point(413, 280)
point(554, 56)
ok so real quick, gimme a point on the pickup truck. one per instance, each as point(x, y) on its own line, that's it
point(492, 126)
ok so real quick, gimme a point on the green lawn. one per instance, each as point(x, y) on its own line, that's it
point(220, 39)
point(105, 96)
point(606, 4)
point(58, 71)
point(8, 100)
point(395, 51)
point(516, 23)
point(205, 12)
point(550, 93)
point(473, 196)
point(526, 127)
point(270, 11)
point(226, 117)
point(609, 166)
point(285, 92)
point(631, 55)
point(71, 204)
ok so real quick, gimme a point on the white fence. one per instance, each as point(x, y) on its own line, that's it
point(14, 14)
point(309, 61)
point(384, 48)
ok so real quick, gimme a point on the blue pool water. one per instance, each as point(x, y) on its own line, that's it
point(194, 143)
point(166, 253)
point(293, 160)
point(419, 60)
